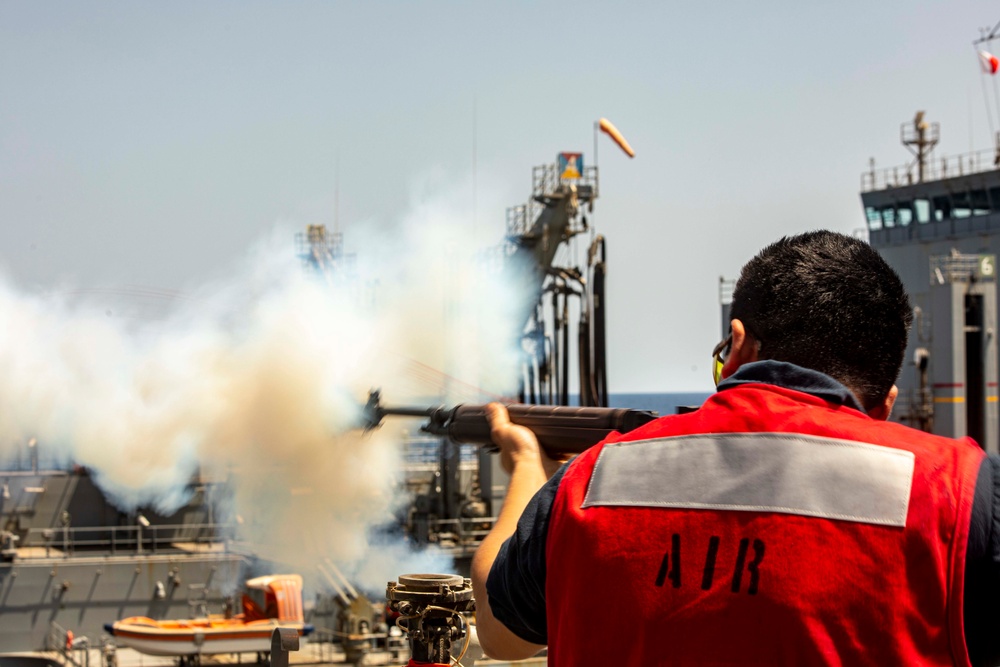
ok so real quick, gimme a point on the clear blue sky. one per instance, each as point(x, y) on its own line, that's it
point(150, 144)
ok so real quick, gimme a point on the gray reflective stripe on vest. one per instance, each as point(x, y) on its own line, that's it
point(757, 472)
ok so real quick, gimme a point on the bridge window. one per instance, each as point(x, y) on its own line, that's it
point(995, 198)
point(874, 218)
point(889, 216)
point(961, 207)
point(942, 208)
point(922, 208)
point(904, 213)
point(980, 202)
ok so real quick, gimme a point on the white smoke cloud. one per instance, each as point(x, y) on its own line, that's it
point(258, 379)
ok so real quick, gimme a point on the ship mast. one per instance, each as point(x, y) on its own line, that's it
point(986, 36)
point(920, 138)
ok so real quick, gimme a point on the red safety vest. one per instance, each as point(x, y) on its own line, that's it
point(766, 528)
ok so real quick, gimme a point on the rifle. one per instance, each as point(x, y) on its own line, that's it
point(560, 429)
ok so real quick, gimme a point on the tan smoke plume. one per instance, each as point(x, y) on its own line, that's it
point(258, 380)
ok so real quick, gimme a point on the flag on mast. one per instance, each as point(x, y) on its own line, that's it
point(989, 62)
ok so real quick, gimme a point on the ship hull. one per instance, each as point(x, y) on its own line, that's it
point(42, 599)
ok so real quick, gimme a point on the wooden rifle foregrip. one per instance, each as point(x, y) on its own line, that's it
point(559, 429)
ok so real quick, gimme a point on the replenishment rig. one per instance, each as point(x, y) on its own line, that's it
point(551, 255)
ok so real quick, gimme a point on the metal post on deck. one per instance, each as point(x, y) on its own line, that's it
point(283, 640)
point(142, 522)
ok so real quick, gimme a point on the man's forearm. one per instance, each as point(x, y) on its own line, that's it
point(497, 641)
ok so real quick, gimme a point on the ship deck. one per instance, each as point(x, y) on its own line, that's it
point(310, 654)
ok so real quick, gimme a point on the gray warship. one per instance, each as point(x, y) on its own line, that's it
point(937, 222)
point(71, 561)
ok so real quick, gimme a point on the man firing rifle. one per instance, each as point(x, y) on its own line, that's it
point(785, 522)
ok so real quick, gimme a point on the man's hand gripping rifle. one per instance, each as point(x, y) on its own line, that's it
point(560, 429)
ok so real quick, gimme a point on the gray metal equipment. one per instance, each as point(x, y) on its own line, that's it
point(431, 608)
point(283, 640)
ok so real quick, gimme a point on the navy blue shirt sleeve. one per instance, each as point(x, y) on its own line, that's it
point(516, 584)
point(982, 568)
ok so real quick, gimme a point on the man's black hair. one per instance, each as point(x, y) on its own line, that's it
point(828, 302)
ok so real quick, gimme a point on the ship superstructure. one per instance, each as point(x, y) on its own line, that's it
point(937, 222)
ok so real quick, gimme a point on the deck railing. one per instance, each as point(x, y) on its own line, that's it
point(125, 540)
point(934, 169)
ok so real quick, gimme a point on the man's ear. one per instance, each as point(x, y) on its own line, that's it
point(742, 350)
point(884, 409)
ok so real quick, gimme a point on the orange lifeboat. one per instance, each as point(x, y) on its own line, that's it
point(270, 602)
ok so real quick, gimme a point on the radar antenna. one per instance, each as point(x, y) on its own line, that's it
point(986, 35)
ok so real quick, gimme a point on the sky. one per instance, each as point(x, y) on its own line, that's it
point(145, 148)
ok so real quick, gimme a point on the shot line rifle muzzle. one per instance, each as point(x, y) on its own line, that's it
point(560, 429)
